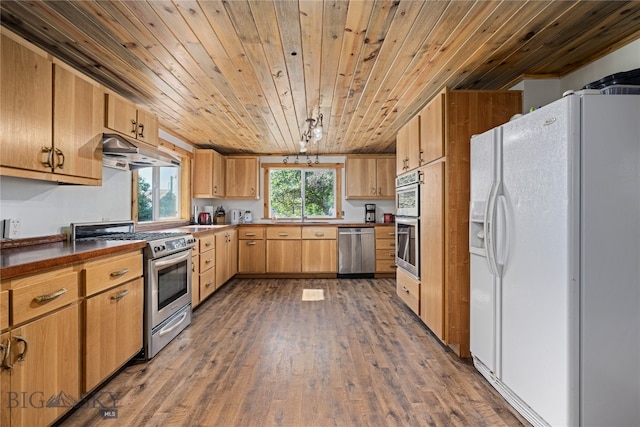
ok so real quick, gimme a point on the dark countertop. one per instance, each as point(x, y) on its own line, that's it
point(36, 258)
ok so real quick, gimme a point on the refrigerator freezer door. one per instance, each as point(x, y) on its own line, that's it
point(483, 281)
point(539, 154)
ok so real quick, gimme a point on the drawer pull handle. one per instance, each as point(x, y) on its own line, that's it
point(119, 295)
point(250, 234)
point(319, 234)
point(49, 151)
point(208, 260)
point(404, 288)
point(48, 297)
point(22, 355)
point(391, 254)
point(120, 272)
point(208, 244)
point(209, 283)
point(251, 243)
point(392, 234)
point(283, 234)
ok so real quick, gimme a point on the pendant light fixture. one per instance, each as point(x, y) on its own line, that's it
point(313, 133)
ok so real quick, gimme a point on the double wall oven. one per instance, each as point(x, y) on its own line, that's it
point(408, 223)
point(167, 278)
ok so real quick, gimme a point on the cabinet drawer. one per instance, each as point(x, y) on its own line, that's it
point(319, 233)
point(4, 310)
point(386, 244)
point(207, 243)
point(112, 271)
point(207, 283)
point(386, 232)
point(408, 289)
point(45, 293)
point(253, 233)
point(284, 233)
point(207, 261)
point(385, 265)
point(386, 254)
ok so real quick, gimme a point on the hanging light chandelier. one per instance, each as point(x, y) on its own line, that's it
point(313, 133)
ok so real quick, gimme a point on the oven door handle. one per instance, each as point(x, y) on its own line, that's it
point(167, 329)
point(172, 260)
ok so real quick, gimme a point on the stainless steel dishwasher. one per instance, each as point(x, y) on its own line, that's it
point(356, 252)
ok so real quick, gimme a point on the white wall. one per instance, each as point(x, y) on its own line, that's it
point(45, 208)
point(353, 209)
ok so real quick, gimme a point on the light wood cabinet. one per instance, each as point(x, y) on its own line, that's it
point(319, 249)
point(113, 330)
point(207, 267)
point(447, 124)
point(51, 127)
point(408, 146)
point(4, 311)
point(284, 256)
point(126, 118)
point(208, 174)
point(251, 250)
point(385, 248)
point(113, 310)
point(226, 256)
point(45, 359)
point(242, 178)
point(195, 275)
point(370, 177)
point(408, 289)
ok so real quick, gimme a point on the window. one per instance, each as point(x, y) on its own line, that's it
point(158, 193)
point(302, 191)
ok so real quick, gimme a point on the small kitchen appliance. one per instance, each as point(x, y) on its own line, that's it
point(389, 218)
point(204, 218)
point(248, 217)
point(369, 212)
point(235, 215)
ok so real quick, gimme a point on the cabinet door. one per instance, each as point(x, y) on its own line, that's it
point(122, 116)
point(147, 129)
point(49, 376)
point(208, 174)
point(432, 248)
point(386, 178)
point(77, 125)
point(113, 330)
point(25, 107)
point(251, 256)
point(361, 178)
point(219, 175)
point(222, 255)
point(319, 256)
point(284, 256)
point(195, 280)
point(242, 177)
point(432, 129)
point(408, 146)
point(402, 150)
point(233, 253)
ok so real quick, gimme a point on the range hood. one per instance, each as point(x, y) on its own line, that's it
point(122, 153)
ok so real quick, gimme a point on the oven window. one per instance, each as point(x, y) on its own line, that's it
point(407, 244)
point(407, 199)
point(172, 283)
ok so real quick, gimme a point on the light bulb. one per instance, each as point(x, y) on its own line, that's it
point(317, 132)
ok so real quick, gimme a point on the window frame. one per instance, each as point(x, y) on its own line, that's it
point(336, 167)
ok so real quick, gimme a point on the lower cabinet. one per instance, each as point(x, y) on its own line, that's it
point(284, 249)
point(408, 289)
point(385, 249)
point(41, 375)
point(195, 275)
point(319, 249)
point(207, 266)
point(226, 256)
point(251, 250)
point(113, 330)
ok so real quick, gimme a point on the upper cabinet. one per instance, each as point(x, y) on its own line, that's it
point(208, 174)
point(408, 146)
point(370, 177)
point(51, 125)
point(432, 130)
point(127, 119)
point(242, 178)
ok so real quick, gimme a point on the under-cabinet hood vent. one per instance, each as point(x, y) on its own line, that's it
point(121, 153)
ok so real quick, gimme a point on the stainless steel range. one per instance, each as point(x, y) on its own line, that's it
point(167, 278)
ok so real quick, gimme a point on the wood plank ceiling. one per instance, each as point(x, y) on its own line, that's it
point(243, 76)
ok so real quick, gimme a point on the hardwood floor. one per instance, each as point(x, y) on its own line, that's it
point(257, 355)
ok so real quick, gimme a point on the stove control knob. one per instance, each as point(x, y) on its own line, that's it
point(163, 247)
point(157, 248)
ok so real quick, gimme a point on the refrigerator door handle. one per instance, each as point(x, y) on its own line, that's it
point(502, 239)
point(489, 231)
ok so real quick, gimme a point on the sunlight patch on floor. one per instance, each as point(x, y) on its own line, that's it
point(312, 294)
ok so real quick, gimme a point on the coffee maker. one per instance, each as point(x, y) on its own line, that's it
point(369, 212)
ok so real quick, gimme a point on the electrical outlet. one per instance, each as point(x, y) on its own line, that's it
point(11, 229)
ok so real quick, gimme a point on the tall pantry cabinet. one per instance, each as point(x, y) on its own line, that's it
point(447, 123)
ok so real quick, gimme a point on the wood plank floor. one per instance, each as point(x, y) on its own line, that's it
point(257, 355)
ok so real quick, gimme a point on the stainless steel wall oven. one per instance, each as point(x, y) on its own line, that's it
point(408, 223)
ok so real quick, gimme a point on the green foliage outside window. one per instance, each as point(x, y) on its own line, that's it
point(287, 187)
point(145, 204)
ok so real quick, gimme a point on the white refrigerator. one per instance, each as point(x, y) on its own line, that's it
point(554, 236)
